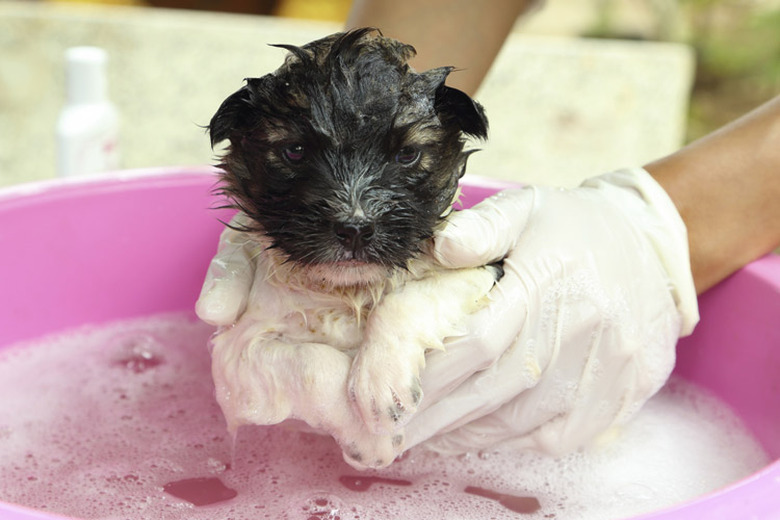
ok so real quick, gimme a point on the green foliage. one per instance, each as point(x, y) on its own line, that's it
point(737, 45)
point(748, 47)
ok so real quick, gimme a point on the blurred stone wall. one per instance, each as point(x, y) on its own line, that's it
point(560, 108)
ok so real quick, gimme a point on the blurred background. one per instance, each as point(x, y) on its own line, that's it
point(736, 42)
point(582, 86)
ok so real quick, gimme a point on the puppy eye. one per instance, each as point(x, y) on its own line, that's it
point(407, 156)
point(294, 153)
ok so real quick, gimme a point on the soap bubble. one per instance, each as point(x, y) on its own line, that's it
point(95, 416)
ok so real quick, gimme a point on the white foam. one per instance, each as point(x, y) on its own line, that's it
point(94, 423)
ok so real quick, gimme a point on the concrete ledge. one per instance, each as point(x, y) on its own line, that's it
point(563, 109)
point(559, 108)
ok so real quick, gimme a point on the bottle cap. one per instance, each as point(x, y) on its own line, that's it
point(85, 71)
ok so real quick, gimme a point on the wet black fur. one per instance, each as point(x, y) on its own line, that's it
point(359, 112)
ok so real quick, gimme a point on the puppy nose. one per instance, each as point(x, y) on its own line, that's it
point(353, 235)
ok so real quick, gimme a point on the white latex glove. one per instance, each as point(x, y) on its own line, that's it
point(229, 278)
point(582, 327)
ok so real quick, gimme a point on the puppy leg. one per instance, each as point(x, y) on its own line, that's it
point(266, 380)
point(384, 381)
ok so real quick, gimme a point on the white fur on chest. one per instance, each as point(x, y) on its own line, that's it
point(344, 359)
point(299, 310)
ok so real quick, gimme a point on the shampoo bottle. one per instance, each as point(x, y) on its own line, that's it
point(88, 126)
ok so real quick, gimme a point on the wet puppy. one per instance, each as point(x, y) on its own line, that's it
point(344, 161)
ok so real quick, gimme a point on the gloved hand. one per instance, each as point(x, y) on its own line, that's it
point(229, 278)
point(582, 328)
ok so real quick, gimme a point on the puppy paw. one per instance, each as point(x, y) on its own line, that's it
point(373, 451)
point(385, 394)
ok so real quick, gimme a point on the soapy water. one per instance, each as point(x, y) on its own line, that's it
point(119, 421)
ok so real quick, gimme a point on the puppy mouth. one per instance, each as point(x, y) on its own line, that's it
point(352, 264)
point(340, 254)
point(346, 272)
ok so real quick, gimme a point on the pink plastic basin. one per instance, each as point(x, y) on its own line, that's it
point(138, 243)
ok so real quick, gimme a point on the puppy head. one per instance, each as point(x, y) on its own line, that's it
point(345, 158)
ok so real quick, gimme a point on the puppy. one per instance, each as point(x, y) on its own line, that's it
point(343, 161)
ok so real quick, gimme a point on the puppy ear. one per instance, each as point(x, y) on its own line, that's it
point(238, 112)
point(452, 105)
point(230, 116)
point(467, 113)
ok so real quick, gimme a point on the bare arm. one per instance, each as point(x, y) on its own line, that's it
point(463, 33)
point(726, 186)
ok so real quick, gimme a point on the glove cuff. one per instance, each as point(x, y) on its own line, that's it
point(664, 227)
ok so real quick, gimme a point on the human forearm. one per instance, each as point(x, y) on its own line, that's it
point(726, 187)
point(461, 33)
